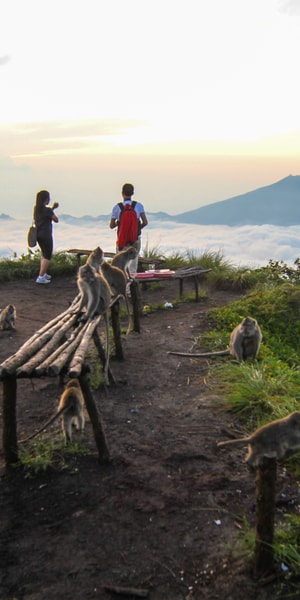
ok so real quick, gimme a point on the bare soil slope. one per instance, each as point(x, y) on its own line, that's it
point(163, 516)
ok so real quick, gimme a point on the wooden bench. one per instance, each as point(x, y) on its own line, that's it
point(194, 273)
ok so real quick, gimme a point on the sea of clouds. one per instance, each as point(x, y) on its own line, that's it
point(249, 245)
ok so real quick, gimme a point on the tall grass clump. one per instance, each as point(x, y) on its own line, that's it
point(260, 391)
point(277, 310)
point(222, 276)
point(285, 546)
point(279, 272)
point(27, 265)
point(152, 253)
point(269, 387)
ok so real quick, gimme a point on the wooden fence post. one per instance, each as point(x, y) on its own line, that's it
point(265, 479)
point(136, 305)
point(101, 354)
point(115, 323)
point(10, 444)
point(95, 420)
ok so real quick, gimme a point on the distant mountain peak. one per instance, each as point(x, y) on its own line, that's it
point(5, 217)
point(275, 204)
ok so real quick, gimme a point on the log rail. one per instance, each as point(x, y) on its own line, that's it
point(59, 348)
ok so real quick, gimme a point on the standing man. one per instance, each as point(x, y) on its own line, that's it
point(116, 215)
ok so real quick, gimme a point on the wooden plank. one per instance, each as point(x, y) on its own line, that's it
point(82, 348)
point(47, 349)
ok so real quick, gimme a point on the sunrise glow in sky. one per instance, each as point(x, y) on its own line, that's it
point(193, 101)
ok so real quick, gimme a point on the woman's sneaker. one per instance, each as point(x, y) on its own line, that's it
point(42, 279)
point(47, 276)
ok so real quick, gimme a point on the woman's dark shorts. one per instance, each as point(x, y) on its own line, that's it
point(46, 246)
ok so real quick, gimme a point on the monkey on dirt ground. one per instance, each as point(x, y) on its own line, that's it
point(273, 440)
point(8, 317)
point(244, 343)
point(70, 408)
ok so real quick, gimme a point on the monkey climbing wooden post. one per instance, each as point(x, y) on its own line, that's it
point(10, 445)
point(265, 514)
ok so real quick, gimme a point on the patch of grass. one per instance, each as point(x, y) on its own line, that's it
point(175, 261)
point(152, 253)
point(287, 543)
point(277, 310)
point(41, 455)
point(27, 265)
point(259, 391)
point(285, 546)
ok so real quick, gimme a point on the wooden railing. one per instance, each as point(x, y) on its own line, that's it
point(59, 348)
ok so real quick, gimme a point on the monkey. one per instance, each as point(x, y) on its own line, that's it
point(8, 317)
point(244, 342)
point(115, 277)
point(94, 290)
point(123, 258)
point(95, 296)
point(95, 258)
point(70, 408)
point(273, 440)
point(117, 280)
point(245, 339)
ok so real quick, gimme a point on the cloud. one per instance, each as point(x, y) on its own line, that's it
point(291, 7)
point(4, 59)
point(248, 246)
point(68, 137)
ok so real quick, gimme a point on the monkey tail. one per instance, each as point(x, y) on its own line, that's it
point(243, 441)
point(51, 420)
point(115, 299)
point(201, 355)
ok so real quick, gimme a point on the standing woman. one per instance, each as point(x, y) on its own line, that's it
point(43, 216)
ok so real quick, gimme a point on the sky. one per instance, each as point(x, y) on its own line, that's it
point(192, 101)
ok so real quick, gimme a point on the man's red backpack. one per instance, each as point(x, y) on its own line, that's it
point(128, 225)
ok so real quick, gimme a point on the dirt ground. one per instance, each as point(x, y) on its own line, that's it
point(163, 518)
